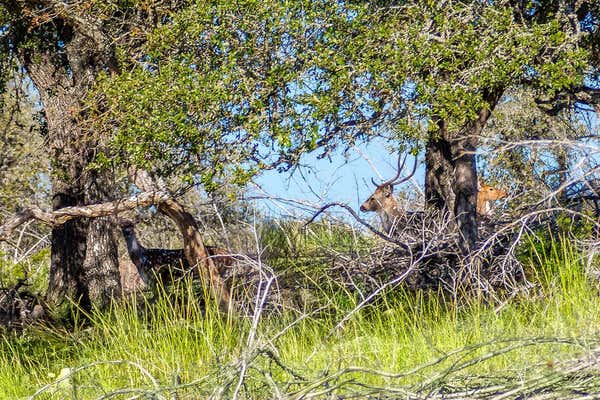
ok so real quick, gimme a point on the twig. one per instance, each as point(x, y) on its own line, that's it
point(380, 234)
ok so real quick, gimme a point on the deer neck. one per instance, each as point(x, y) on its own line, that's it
point(389, 213)
point(134, 248)
point(483, 205)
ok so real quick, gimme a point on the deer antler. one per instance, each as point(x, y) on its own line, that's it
point(394, 181)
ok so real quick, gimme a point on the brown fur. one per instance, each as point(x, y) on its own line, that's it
point(166, 263)
point(485, 196)
point(383, 202)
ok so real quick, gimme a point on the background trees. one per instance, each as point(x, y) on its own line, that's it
point(318, 75)
point(436, 71)
point(198, 92)
point(63, 47)
point(21, 167)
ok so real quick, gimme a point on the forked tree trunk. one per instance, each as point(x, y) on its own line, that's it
point(451, 173)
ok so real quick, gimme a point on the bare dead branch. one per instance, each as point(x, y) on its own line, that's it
point(377, 232)
point(59, 217)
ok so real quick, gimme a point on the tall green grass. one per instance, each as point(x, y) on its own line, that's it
point(288, 240)
point(175, 344)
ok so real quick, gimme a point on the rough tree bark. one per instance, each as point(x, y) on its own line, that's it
point(63, 65)
point(67, 253)
point(101, 264)
point(451, 173)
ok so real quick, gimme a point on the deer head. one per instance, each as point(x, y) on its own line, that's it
point(486, 195)
point(382, 200)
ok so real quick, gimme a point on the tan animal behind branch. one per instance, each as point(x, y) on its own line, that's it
point(164, 264)
point(486, 195)
point(383, 202)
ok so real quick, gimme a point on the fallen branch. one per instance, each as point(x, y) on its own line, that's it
point(60, 216)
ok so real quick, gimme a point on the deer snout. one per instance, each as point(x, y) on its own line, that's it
point(498, 194)
point(366, 206)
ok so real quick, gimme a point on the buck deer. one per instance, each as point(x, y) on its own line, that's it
point(164, 264)
point(487, 194)
point(382, 200)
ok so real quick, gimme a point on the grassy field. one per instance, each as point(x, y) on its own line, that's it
point(405, 345)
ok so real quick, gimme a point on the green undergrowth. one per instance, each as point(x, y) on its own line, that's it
point(403, 340)
point(290, 242)
point(25, 268)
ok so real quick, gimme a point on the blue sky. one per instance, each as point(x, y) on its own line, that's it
point(342, 179)
point(339, 179)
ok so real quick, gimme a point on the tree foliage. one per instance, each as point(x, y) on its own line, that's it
point(244, 81)
point(237, 87)
point(23, 170)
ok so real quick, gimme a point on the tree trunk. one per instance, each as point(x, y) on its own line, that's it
point(451, 184)
point(451, 173)
point(101, 264)
point(83, 265)
point(69, 241)
point(67, 253)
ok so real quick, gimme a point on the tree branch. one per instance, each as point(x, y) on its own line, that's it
point(584, 95)
point(362, 222)
point(60, 216)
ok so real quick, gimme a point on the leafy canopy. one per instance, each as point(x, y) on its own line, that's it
point(233, 87)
